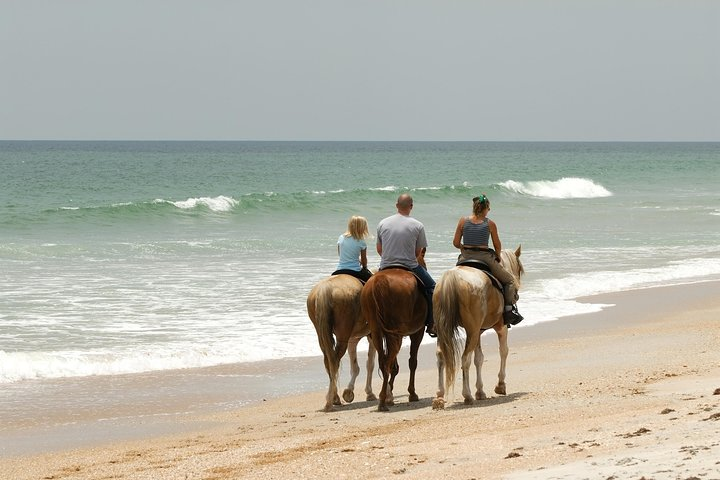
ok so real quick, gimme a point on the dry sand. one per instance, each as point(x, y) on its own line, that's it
point(630, 392)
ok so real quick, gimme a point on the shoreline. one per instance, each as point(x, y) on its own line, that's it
point(158, 402)
point(562, 354)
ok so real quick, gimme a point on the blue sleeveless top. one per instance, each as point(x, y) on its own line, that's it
point(476, 233)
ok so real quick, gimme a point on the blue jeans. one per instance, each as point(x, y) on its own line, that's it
point(426, 279)
point(429, 289)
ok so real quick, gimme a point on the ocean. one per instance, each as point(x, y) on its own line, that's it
point(127, 257)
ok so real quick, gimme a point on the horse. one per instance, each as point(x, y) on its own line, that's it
point(394, 305)
point(465, 297)
point(333, 306)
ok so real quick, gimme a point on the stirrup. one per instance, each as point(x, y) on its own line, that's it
point(512, 316)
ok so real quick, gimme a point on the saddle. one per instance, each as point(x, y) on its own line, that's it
point(485, 268)
point(352, 273)
point(421, 284)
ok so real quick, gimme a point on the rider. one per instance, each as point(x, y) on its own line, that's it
point(471, 237)
point(352, 250)
point(400, 241)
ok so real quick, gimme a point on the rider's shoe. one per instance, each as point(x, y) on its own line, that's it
point(431, 330)
point(512, 316)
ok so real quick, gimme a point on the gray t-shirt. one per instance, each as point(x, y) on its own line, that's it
point(400, 236)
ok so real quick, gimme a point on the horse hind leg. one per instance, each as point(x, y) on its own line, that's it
point(390, 398)
point(384, 399)
point(349, 392)
point(340, 350)
point(377, 340)
point(502, 334)
point(439, 400)
point(415, 341)
point(331, 394)
point(389, 368)
point(479, 359)
point(370, 369)
point(470, 346)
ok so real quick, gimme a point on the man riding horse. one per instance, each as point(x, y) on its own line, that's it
point(400, 241)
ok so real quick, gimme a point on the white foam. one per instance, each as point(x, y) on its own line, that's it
point(568, 187)
point(556, 298)
point(577, 285)
point(18, 366)
point(216, 204)
point(178, 322)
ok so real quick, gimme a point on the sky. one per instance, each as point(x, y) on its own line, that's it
point(445, 70)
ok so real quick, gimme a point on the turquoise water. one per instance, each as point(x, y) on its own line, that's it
point(132, 256)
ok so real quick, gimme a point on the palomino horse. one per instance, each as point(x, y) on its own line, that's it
point(465, 297)
point(394, 306)
point(333, 305)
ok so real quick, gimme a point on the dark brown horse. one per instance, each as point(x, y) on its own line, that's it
point(394, 306)
point(333, 305)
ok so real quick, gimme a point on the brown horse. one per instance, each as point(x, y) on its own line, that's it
point(394, 306)
point(465, 297)
point(333, 305)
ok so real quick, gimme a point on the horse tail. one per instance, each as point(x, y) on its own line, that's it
point(374, 307)
point(324, 327)
point(382, 286)
point(446, 313)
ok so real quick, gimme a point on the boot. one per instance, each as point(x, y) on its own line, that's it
point(431, 329)
point(429, 321)
point(512, 316)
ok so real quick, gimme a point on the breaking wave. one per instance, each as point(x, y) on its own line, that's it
point(568, 187)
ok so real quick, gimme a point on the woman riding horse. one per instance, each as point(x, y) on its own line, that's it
point(466, 297)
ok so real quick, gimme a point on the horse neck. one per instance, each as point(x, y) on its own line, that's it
point(511, 264)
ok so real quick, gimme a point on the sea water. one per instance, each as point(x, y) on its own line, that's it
point(123, 257)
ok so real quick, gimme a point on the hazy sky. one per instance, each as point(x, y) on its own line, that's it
point(360, 70)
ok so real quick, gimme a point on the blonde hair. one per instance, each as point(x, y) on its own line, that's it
point(357, 228)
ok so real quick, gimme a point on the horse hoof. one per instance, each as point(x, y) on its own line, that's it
point(328, 408)
point(500, 390)
point(383, 408)
point(336, 400)
point(480, 396)
point(438, 404)
point(468, 401)
point(348, 395)
point(413, 398)
point(371, 397)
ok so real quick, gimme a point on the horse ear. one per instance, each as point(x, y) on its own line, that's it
point(517, 252)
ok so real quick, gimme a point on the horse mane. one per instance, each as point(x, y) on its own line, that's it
point(511, 261)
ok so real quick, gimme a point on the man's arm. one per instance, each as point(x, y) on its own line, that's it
point(421, 257)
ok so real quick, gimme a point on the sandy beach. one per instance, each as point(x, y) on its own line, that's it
point(629, 392)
